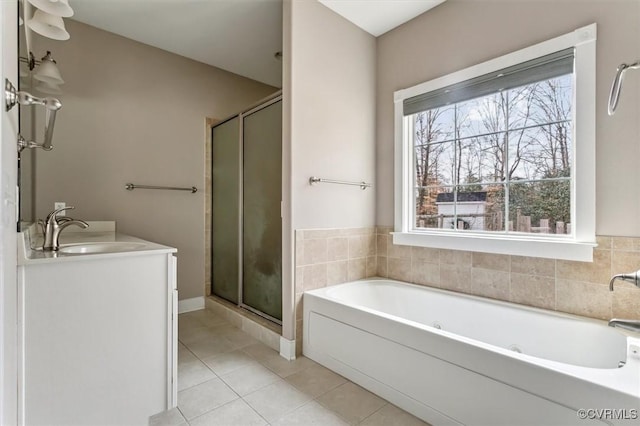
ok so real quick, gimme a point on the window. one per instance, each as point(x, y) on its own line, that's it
point(500, 157)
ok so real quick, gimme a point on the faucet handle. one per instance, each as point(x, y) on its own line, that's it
point(52, 216)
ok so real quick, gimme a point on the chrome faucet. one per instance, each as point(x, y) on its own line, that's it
point(632, 277)
point(631, 325)
point(53, 226)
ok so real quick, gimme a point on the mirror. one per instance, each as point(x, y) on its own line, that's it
point(27, 157)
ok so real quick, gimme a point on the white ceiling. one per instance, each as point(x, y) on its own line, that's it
point(379, 16)
point(240, 36)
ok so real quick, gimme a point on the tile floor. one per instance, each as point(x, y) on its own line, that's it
point(226, 377)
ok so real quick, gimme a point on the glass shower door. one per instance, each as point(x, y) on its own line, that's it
point(225, 209)
point(262, 222)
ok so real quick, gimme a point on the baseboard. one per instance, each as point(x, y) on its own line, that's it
point(188, 305)
point(287, 349)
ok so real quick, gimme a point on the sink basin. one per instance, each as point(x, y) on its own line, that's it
point(101, 247)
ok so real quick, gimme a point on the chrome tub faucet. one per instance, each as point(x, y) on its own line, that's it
point(53, 226)
point(630, 325)
point(632, 277)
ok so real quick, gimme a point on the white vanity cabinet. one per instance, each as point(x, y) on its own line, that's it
point(98, 337)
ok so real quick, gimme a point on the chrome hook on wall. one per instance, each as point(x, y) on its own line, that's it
point(52, 105)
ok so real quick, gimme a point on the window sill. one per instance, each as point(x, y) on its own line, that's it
point(518, 246)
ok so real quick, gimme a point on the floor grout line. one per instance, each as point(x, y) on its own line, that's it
point(182, 414)
point(372, 414)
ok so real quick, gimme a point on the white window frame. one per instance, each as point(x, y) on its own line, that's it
point(580, 245)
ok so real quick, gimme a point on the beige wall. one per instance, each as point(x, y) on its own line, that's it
point(455, 35)
point(333, 118)
point(329, 125)
point(134, 113)
point(458, 34)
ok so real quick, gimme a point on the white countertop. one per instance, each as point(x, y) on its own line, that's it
point(29, 243)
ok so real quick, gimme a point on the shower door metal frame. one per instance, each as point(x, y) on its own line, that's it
point(277, 97)
point(242, 115)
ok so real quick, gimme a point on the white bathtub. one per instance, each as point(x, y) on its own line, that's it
point(449, 358)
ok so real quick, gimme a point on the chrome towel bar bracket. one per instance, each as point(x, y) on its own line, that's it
point(131, 187)
point(362, 185)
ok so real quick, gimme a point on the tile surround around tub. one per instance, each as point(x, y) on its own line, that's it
point(567, 286)
point(326, 257)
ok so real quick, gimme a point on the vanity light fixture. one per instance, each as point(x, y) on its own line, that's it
point(48, 25)
point(616, 87)
point(47, 75)
point(59, 8)
point(48, 71)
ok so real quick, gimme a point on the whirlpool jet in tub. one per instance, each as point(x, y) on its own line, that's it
point(456, 359)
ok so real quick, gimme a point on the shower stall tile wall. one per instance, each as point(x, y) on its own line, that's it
point(326, 257)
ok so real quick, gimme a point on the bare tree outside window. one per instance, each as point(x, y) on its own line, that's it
point(498, 163)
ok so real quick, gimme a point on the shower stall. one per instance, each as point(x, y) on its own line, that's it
point(246, 222)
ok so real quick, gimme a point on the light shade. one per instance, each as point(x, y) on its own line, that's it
point(47, 88)
point(54, 7)
point(48, 71)
point(48, 25)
